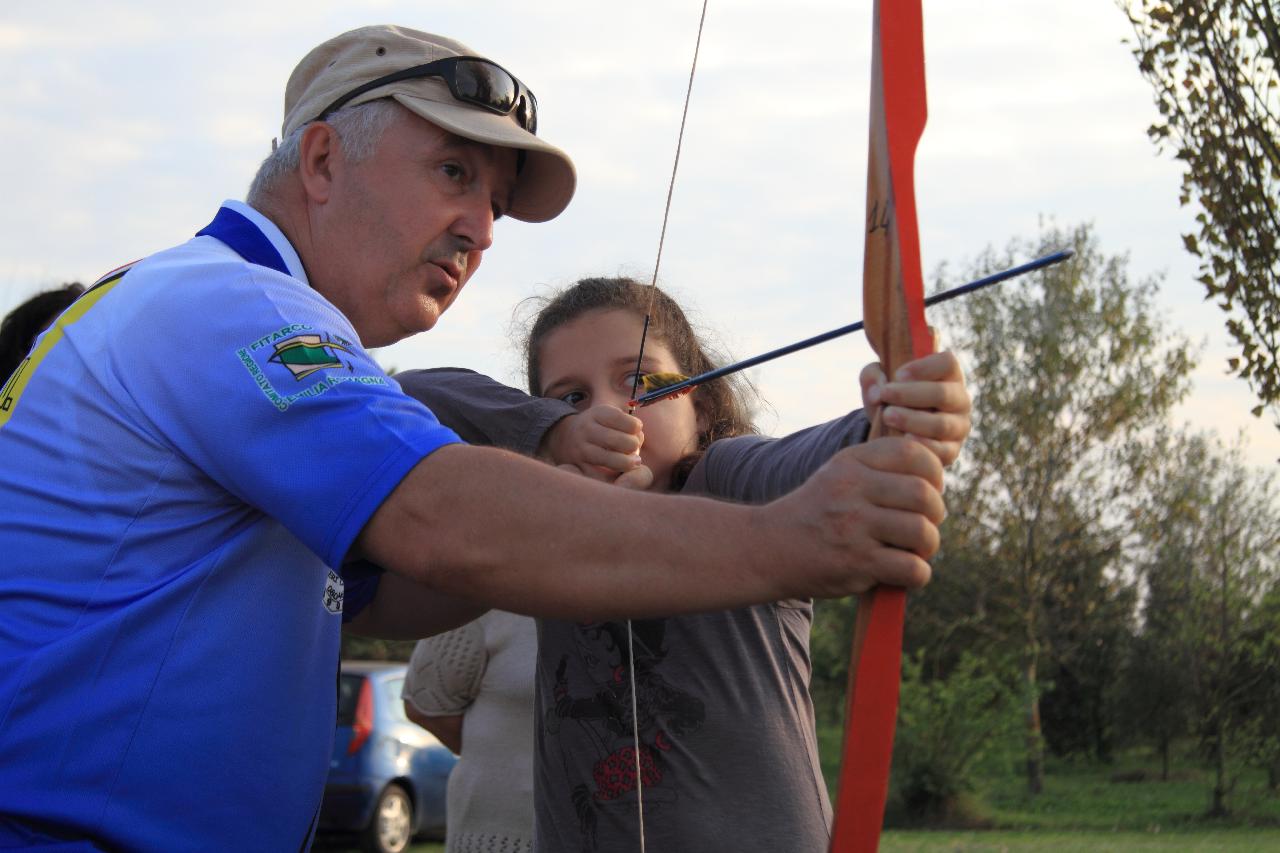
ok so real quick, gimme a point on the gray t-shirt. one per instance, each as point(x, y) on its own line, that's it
point(728, 749)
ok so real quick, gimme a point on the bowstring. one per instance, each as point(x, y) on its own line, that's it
point(635, 384)
point(666, 212)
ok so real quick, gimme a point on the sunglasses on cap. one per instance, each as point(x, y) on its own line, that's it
point(471, 80)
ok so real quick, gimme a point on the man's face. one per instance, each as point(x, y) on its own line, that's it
point(403, 230)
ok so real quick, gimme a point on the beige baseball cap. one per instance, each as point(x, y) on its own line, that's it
point(332, 71)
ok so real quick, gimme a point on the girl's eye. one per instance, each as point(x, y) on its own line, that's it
point(454, 172)
point(574, 398)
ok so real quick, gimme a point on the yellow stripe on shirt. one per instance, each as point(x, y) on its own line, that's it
point(11, 393)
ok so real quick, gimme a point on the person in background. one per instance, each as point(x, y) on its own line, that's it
point(472, 688)
point(22, 325)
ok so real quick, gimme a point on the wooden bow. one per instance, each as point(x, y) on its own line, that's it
point(893, 309)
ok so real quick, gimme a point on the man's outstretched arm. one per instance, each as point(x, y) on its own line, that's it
point(498, 530)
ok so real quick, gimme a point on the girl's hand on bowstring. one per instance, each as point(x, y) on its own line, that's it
point(927, 401)
point(603, 443)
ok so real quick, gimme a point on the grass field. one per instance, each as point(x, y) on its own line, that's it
point(1034, 841)
point(1241, 840)
point(1083, 811)
point(1084, 841)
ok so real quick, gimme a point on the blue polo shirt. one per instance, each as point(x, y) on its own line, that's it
point(185, 460)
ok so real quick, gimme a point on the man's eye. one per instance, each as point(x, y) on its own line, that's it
point(454, 171)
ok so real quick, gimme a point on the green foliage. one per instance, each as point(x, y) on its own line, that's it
point(1128, 795)
point(1039, 841)
point(830, 642)
point(948, 730)
point(1156, 706)
point(1211, 566)
point(1085, 802)
point(1126, 571)
point(1070, 371)
point(355, 647)
point(1088, 623)
point(1261, 665)
point(1213, 69)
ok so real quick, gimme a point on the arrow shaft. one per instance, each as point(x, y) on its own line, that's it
point(995, 278)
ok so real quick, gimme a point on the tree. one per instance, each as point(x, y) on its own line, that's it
point(947, 726)
point(1156, 703)
point(1213, 531)
point(1213, 67)
point(1262, 640)
point(1069, 372)
point(1089, 623)
point(833, 626)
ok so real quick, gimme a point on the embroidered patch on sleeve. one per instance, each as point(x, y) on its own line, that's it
point(281, 360)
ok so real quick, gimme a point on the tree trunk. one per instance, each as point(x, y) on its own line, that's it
point(1101, 735)
point(1164, 758)
point(1219, 807)
point(1035, 742)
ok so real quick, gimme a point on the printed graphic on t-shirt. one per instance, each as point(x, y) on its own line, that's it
point(279, 360)
point(591, 723)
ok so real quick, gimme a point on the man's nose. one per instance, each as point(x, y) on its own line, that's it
point(475, 224)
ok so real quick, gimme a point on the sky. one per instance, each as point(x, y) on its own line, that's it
point(125, 124)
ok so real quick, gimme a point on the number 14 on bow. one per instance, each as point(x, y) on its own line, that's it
point(893, 310)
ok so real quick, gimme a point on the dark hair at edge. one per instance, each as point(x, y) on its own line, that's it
point(722, 403)
point(22, 325)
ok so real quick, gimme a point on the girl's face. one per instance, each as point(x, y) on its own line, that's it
point(592, 360)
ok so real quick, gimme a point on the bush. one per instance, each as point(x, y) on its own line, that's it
point(949, 730)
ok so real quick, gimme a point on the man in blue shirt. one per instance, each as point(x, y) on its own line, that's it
point(199, 462)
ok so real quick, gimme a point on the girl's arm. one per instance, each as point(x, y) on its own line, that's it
point(927, 399)
point(603, 442)
point(484, 411)
point(758, 469)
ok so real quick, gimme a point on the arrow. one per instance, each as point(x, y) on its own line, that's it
point(687, 385)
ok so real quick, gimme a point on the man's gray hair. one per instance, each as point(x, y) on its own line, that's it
point(359, 127)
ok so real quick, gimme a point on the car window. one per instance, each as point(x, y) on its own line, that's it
point(348, 695)
point(393, 686)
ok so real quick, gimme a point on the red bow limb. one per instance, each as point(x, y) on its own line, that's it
point(893, 305)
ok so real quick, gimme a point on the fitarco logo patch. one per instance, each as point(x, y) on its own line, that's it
point(304, 353)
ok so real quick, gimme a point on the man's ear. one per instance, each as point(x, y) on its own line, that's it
point(318, 151)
